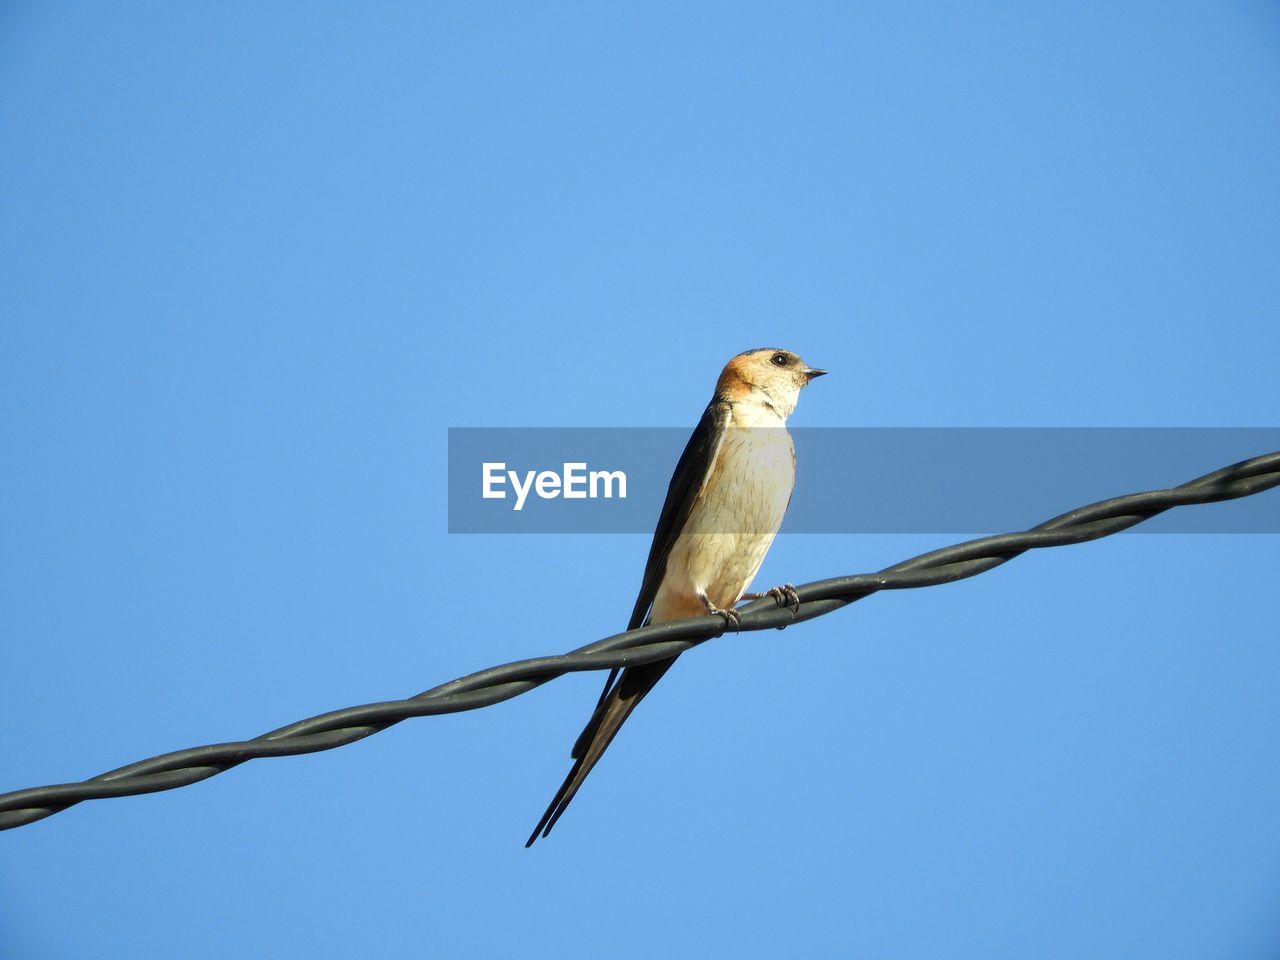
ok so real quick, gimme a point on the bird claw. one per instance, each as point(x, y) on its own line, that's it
point(785, 596)
point(732, 618)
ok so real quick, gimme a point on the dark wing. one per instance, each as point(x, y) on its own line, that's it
point(686, 483)
point(622, 694)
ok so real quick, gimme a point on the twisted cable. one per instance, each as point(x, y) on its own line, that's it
point(643, 645)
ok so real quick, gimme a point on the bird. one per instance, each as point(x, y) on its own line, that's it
point(724, 506)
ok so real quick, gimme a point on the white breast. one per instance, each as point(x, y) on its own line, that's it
point(732, 525)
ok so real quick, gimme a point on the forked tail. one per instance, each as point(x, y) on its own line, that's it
point(615, 706)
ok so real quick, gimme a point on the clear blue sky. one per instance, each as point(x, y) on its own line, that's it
point(258, 258)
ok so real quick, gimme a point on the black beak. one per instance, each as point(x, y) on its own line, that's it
point(811, 374)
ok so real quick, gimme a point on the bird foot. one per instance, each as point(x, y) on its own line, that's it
point(731, 617)
point(785, 596)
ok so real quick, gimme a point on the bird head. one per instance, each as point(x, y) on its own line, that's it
point(770, 375)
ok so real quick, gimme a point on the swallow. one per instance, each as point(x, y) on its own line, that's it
point(724, 506)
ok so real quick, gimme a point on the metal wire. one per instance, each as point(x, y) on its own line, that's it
point(496, 684)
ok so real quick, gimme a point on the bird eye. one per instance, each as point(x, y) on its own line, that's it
point(779, 359)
